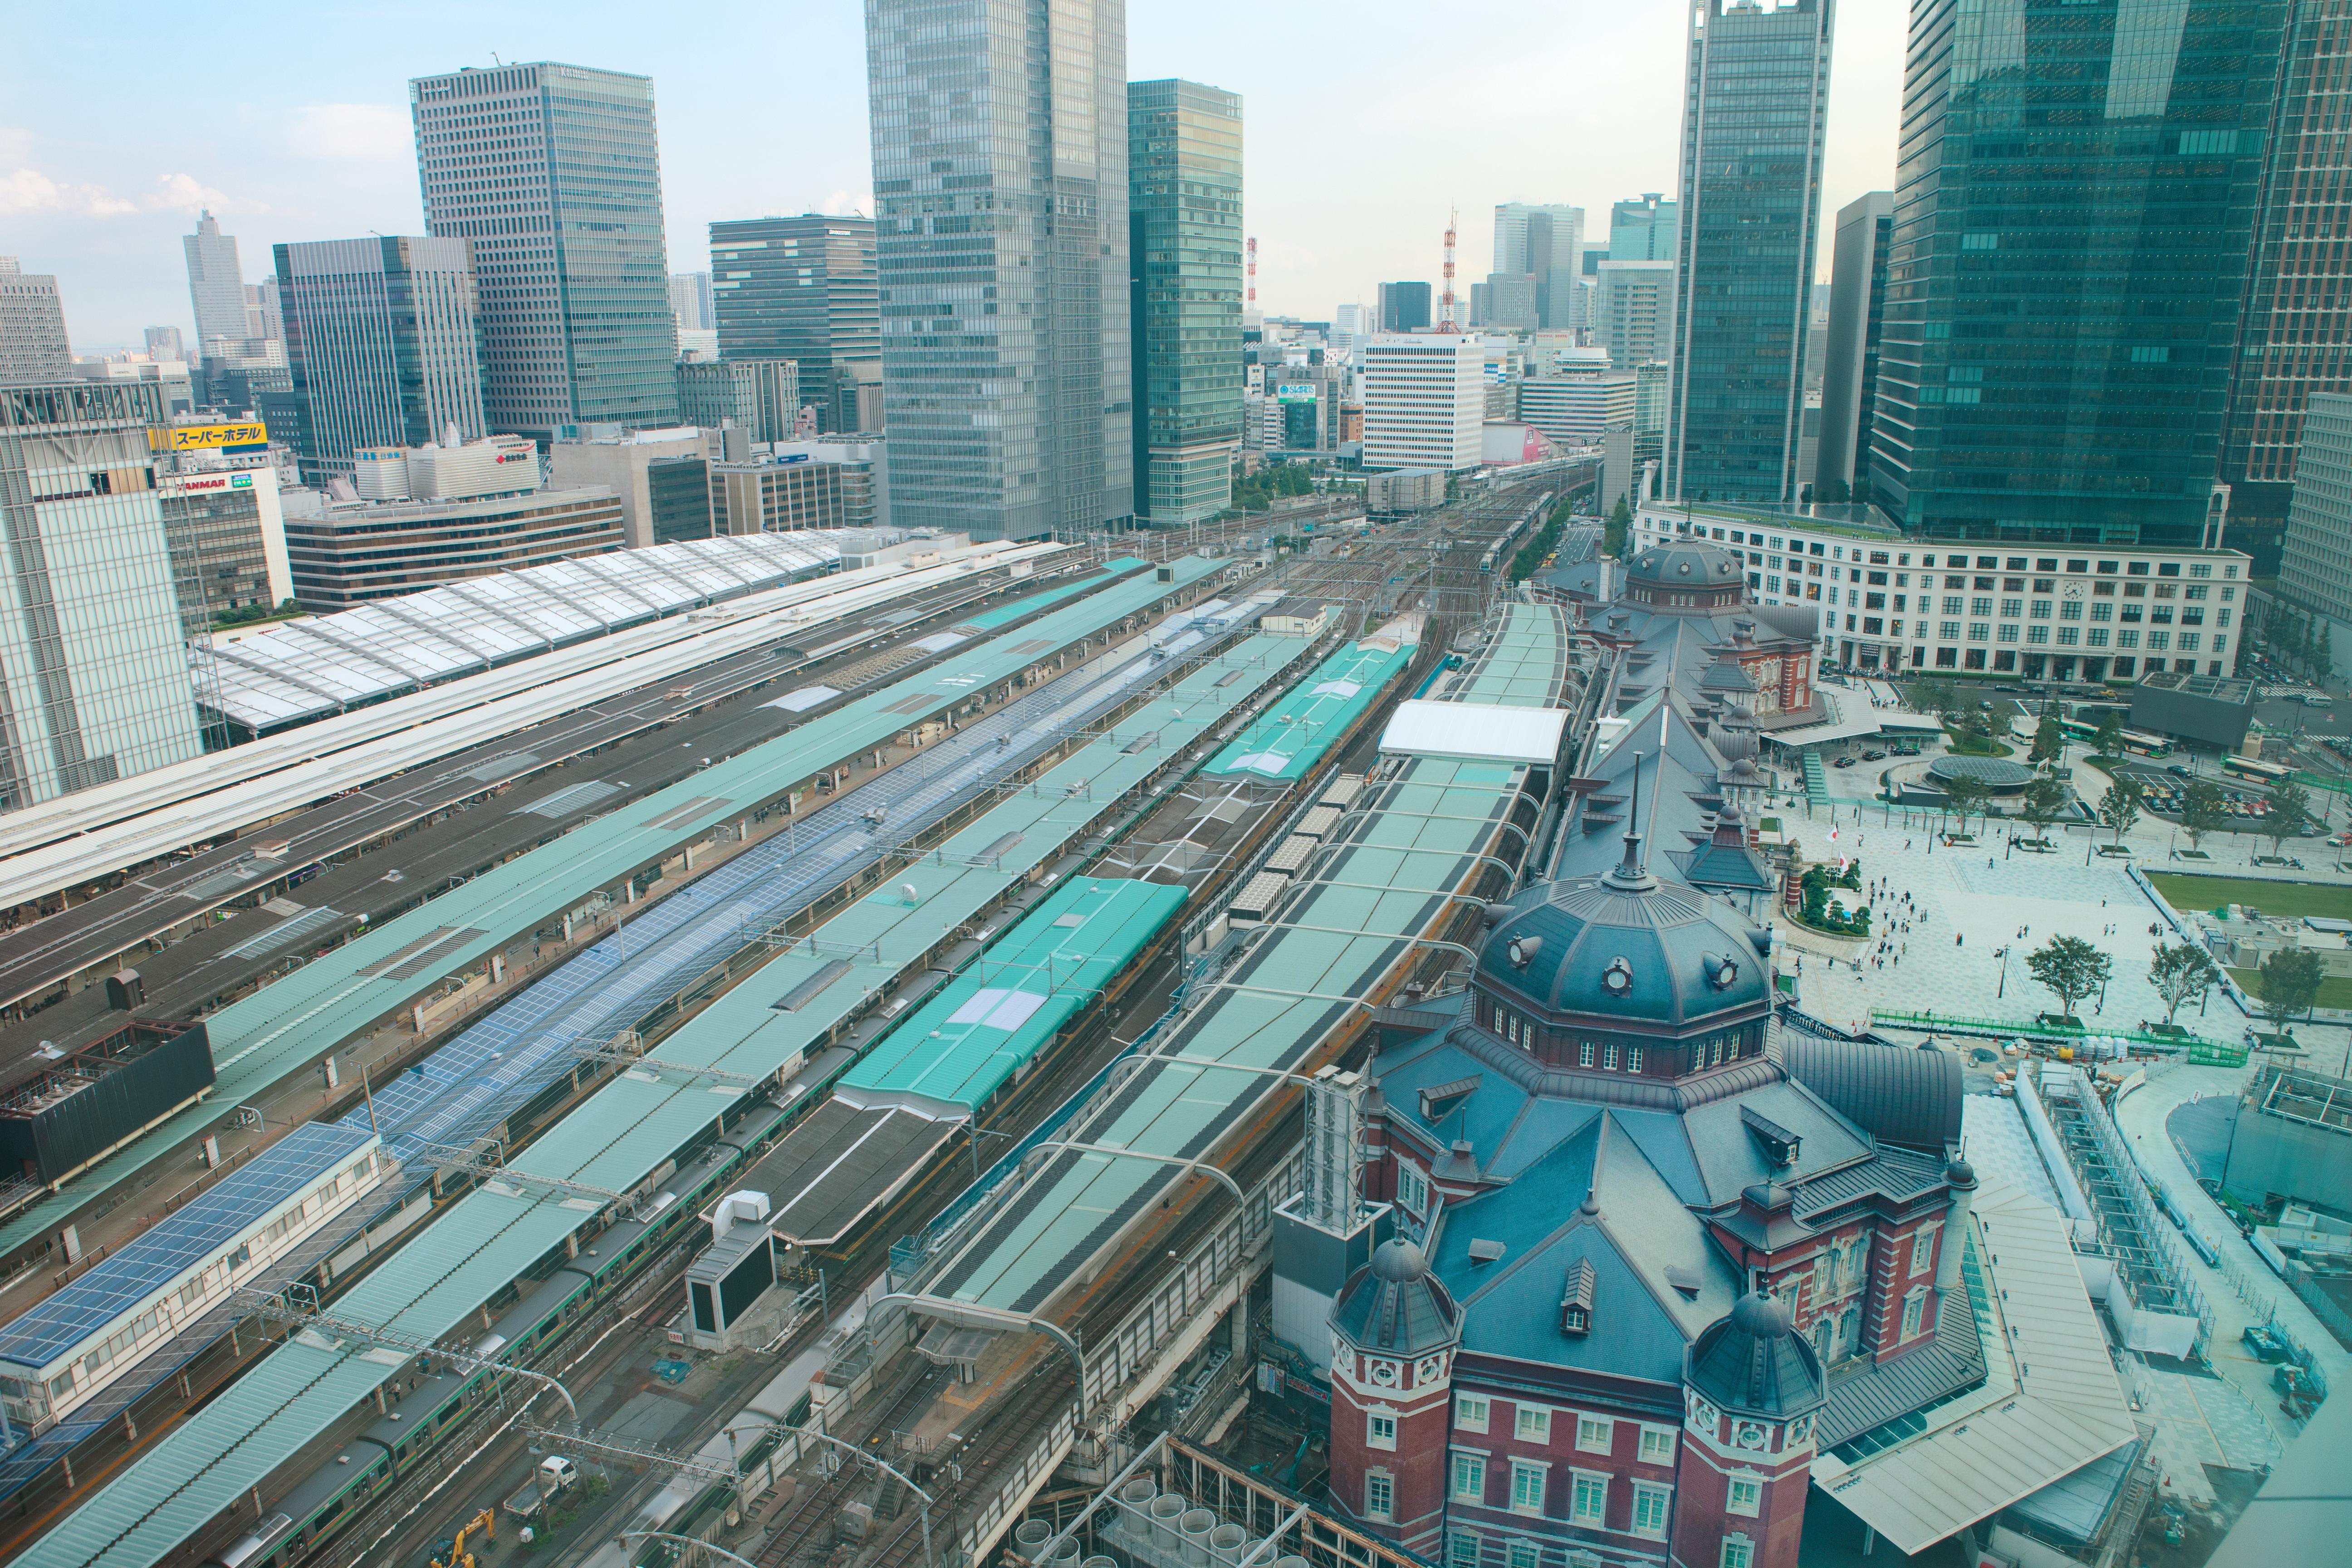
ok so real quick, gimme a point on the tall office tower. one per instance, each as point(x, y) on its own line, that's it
point(2064, 288)
point(2316, 570)
point(216, 284)
point(689, 301)
point(1350, 325)
point(384, 340)
point(1506, 302)
point(1003, 243)
point(1754, 103)
point(1404, 306)
point(801, 289)
point(1642, 229)
point(1850, 359)
point(263, 322)
point(1424, 401)
point(1184, 246)
point(1545, 243)
point(95, 663)
point(33, 344)
point(164, 345)
point(2297, 338)
point(1633, 312)
point(554, 172)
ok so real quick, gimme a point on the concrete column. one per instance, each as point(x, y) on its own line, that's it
point(567, 933)
point(333, 1074)
point(498, 968)
point(69, 1240)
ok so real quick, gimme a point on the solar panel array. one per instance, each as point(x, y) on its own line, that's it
point(307, 669)
point(178, 1242)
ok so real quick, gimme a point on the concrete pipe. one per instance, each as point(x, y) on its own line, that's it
point(1028, 1536)
point(1227, 1541)
point(1196, 1526)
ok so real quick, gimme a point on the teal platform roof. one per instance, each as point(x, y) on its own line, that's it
point(1421, 836)
point(636, 1120)
point(289, 1024)
point(1290, 738)
point(962, 1045)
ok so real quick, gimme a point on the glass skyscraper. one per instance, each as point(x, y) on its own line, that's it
point(800, 288)
point(1755, 98)
point(2076, 191)
point(384, 342)
point(554, 172)
point(216, 288)
point(1000, 171)
point(1184, 229)
point(2297, 336)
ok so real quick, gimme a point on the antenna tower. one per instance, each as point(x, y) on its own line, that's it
point(1445, 300)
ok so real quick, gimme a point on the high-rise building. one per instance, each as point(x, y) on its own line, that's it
point(760, 396)
point(1350, 325)
point(1506, 302)
point(262, 319)
point(1575, 408)
point(383, 339)
point(1642, 229)
point(1184, 249)
point(2315, 568)
point(2064, 290)
point(554, 172)
point(95, 659)
point(2296, 339)
point(641, 467)
point(1754, 101)
point(690, 301)
point(1849, 358)
point(1545, 244)
point(164, 347)
point(33, 344)
point(1404, 306)
point(1424, 401)
point(1633, 311)
point(803, 288)
point(215, 285)
point(1003, 245)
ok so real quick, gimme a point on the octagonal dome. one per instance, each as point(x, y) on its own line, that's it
point(1625, 948)
point(1685, 564)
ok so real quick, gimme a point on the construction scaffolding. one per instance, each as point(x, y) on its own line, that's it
point(2129, 1228)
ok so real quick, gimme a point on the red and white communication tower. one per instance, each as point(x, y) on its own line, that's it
point(1249, 304)
point(1445, 300)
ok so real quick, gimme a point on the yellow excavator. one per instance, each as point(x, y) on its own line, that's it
point(452, 1553)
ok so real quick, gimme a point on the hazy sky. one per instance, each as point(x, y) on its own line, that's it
point(1364, 119)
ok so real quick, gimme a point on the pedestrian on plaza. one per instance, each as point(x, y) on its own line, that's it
point(1959, 939)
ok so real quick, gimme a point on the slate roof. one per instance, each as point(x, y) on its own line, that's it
point(1753, 1363)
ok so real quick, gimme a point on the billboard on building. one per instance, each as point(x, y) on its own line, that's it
point(231, 436)
point(1294, 392)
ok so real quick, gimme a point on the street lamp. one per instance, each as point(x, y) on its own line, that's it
point(2002, 989)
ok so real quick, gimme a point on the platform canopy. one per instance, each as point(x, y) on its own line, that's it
point(1475, 732)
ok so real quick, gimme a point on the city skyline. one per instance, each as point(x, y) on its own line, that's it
point(1340, 199)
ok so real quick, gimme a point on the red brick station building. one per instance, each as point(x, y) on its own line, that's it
point(1659, 1260)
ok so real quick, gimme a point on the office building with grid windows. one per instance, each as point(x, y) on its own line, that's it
point(95, 662)
point(803, 289)
point(554, 172)
point(384, 340)
point(1755, 103)
point(1184, 236)
point(33, 344)
point(2067, 269)
point(1001, 241)
point(1889, 601)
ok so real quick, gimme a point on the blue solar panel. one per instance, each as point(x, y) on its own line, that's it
point(178, 1243)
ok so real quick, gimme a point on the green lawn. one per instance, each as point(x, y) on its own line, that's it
point(2288, 901)
point(2334, 990)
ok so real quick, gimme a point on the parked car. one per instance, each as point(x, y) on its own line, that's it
point(1843, 763)
point(1874, 756)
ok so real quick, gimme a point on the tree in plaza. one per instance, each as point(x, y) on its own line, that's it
point(2119, 808)
point(2045, 803)
point(2048, 739)
point(2109, 741)
point(2287, 984)
point(2289, 816)
point(1966, 798)
point(2070, 968)
point(2203, 809)
point(2181, 974)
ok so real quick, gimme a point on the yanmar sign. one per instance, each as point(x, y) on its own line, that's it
point(194, 482)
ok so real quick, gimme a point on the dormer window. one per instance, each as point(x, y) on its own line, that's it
point(1576, 1300)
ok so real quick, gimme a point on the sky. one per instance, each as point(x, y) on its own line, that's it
point(1364, 122)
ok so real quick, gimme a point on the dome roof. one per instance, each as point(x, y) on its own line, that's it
point(1900, 1095)
point(1623, 946)
point(1751, 1361)
point(1685, 563)
point(1393, 1304)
